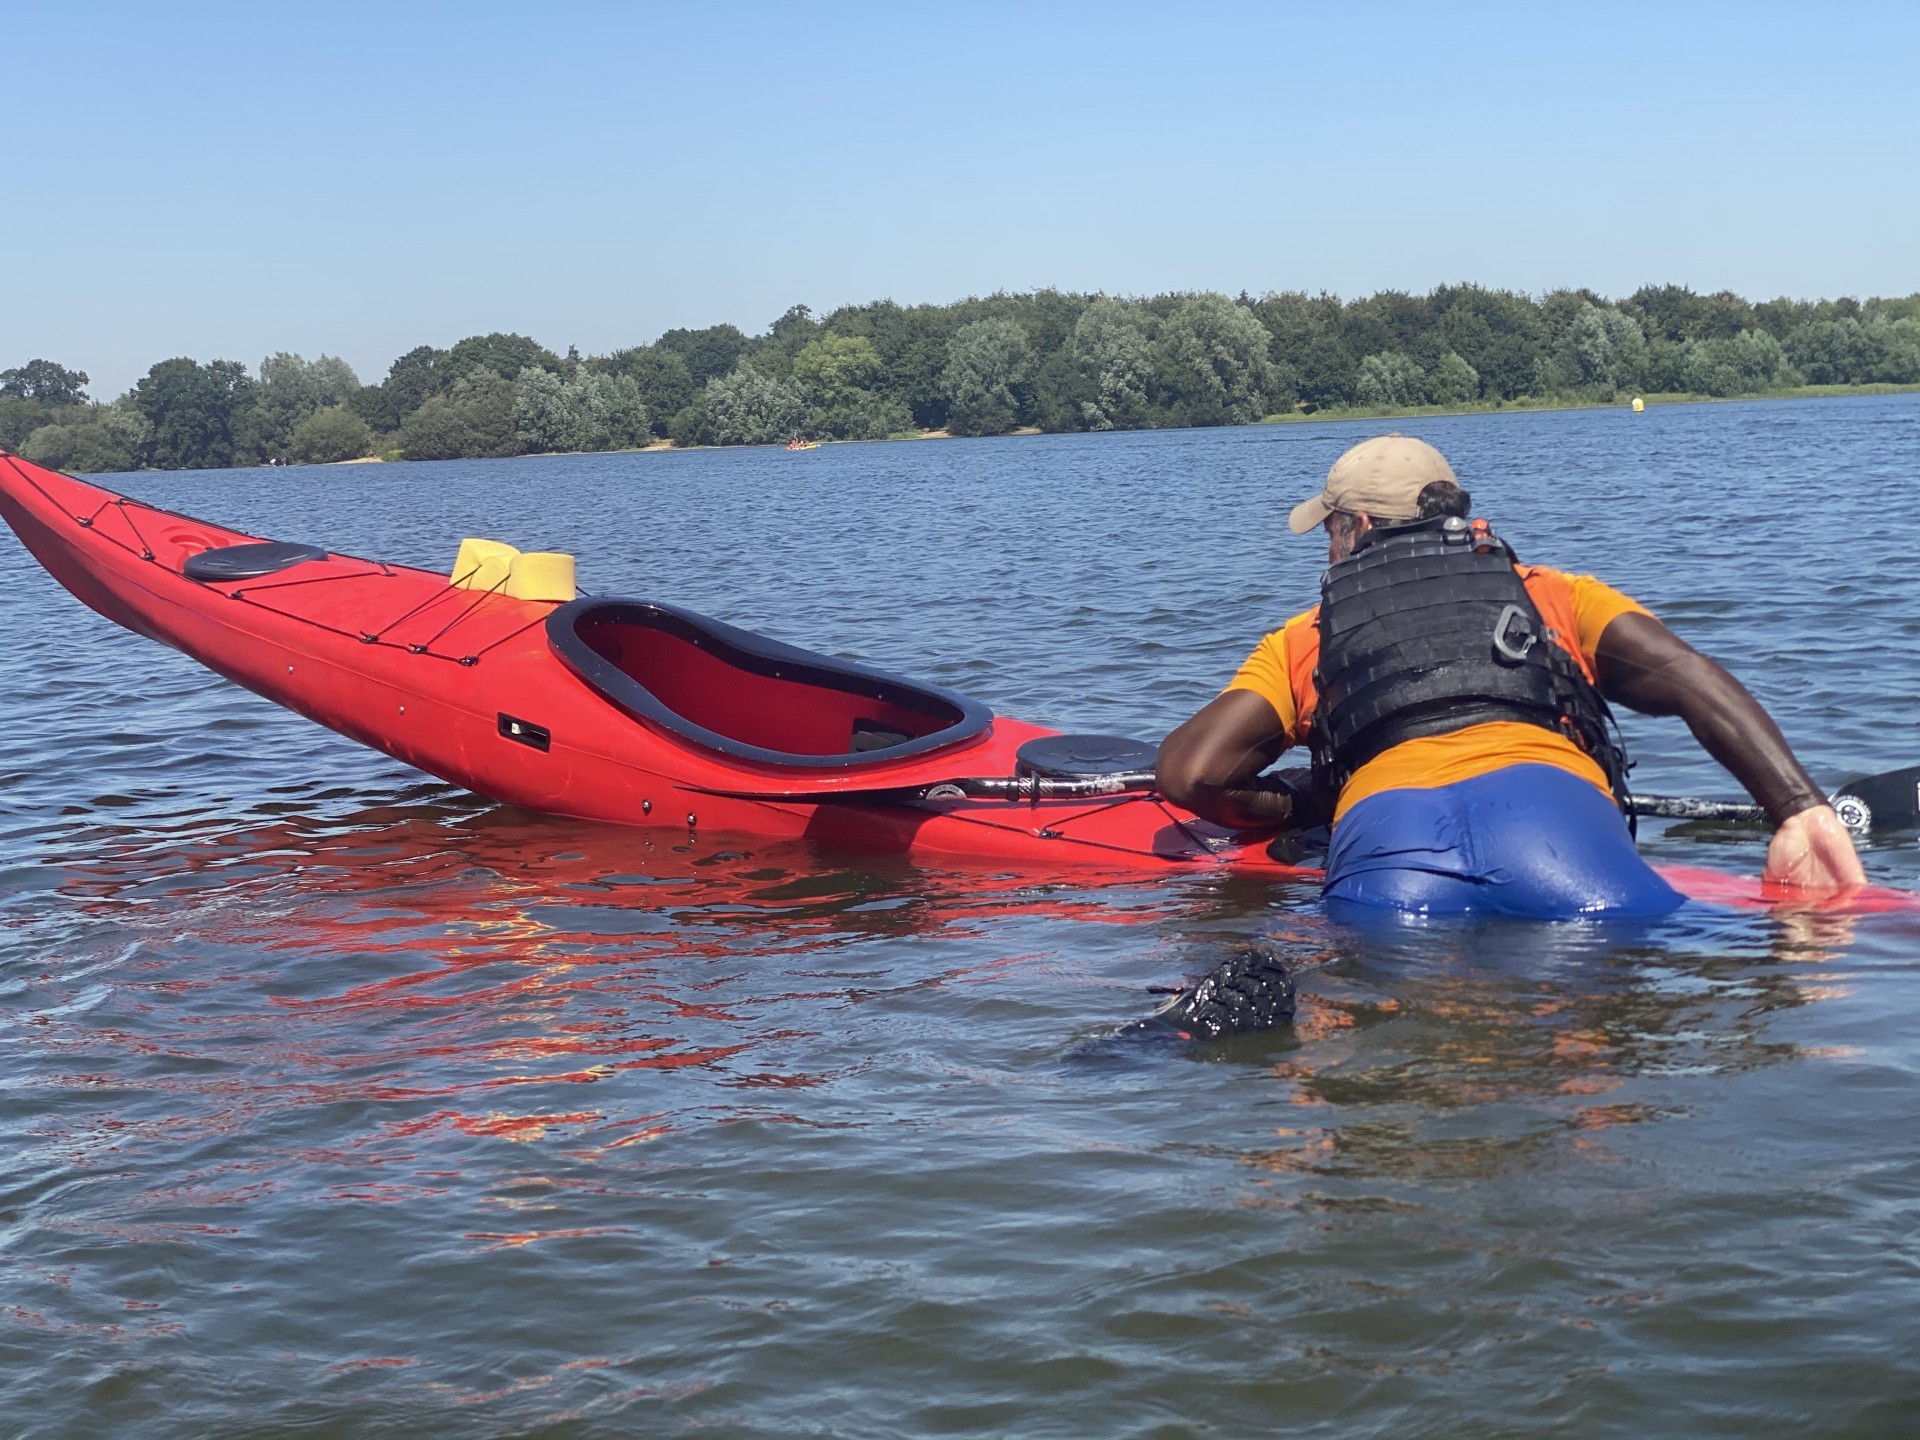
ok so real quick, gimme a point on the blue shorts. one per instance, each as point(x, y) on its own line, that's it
point(1528, 840)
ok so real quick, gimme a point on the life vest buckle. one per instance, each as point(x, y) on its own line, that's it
point(1505, 646)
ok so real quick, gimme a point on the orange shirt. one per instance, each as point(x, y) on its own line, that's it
point(1577, 609)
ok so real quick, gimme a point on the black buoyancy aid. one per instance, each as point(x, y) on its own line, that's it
point(1428, 629)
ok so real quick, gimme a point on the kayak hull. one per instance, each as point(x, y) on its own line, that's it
point(401, 660)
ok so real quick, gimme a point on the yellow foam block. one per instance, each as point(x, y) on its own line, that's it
point(541, 575)
point(482, 564)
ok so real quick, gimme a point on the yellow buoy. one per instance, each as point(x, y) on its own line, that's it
point(481, 564)
point(1638, 404)
point(541, 575)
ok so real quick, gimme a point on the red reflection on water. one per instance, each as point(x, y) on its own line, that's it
point(434, 971)
point(513, 1239)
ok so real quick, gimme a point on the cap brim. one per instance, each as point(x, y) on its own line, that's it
point(1309, 514)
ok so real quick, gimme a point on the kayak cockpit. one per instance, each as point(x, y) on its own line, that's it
point(751, 698)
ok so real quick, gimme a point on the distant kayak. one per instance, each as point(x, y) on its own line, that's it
point(633, 711)
point(801, 445)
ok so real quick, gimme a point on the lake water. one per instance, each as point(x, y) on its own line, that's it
point(336, 1102)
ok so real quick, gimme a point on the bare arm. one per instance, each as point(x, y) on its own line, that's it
point(1646, 667)
point(1208, 764)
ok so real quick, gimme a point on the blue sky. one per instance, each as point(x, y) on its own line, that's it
point(226, 181)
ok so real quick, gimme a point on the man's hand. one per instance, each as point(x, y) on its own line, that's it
point(1813, 851)
point(1209, 764)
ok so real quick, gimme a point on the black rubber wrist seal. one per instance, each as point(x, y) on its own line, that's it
point(1781, 811)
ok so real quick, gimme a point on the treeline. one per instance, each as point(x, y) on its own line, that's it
point(1048, 360)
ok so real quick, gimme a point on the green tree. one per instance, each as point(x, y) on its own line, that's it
point(1500, 334)
point(589, 412)
point(1328, 371)
point(912, 346)
point(1723, 316)
point(1112, 344)
point(1666, 312)
point(614, 415)
point(1310, 357)
point(20, 418)
point(786, 338)
point(330, 435)
point(291, 391)
point(1392, 321)
point(708, 354)
point(198, 413)
point(435, 431)
point(1748, 362)
point(503, 354)
point(691, 426)
point(412, 378)
point(1901, 307)
point(666, 385)
point(1600, 352)
point(1664, 371)
point(840, 375)
point(546, 412)
point(1833, 352)
point(836, 368)
point(1453, 381)
point(473, 420)
point(94, 439)
point(1559, 309)
point(1214, 365)
point(46, 382)
point(988, 368)
point(751, 407)
point(1390, 379)
point(1899, 345)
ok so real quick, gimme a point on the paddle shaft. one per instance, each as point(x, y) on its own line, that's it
point(1873, 802)
point(1687, 807)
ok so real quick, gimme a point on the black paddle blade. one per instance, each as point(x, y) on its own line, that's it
point(1881, 802)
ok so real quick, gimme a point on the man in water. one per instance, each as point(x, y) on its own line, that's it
point(1455, 705)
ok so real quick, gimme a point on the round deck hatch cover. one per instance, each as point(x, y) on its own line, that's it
point(248, 562)
point(1075, 757)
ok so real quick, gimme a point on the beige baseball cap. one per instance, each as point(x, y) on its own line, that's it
point(1382, 476)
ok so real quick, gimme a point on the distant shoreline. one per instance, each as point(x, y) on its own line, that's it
point(1053, 360)
point(1406, 412)
point(1651, 398)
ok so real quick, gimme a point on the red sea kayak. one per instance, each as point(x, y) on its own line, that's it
point(627, 711)
point(630, 711)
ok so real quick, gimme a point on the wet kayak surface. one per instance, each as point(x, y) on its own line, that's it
point(337, 1102)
